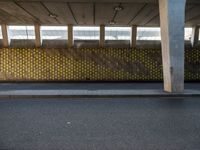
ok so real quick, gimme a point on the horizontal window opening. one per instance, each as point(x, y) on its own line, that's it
point(86, 33)
point(188, 34)
point(1, 36)
point(118, 33)
point(147, 33)
point(21, 32)
point(54, 33)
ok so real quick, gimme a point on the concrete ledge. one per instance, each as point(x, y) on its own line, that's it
point(94, 93)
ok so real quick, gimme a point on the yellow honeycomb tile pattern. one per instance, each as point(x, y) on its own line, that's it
point(89, 64)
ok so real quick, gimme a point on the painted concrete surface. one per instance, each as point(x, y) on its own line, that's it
point(95, 93)
point(91, 89)
point(96, 124)
point(90, 86)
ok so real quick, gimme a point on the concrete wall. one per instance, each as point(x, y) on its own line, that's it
point(117, 44)
point(86, 43)
point(148, 44)
point(54, 43)
point(22, 43)
point(141, 44)
point(1, 43)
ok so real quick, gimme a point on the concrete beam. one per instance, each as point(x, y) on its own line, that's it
point(102, 1)
point(134, 36)
point(93, 1)
point(172, 21)
point(195, 36)
point(38, 42)
point(5, 35)
point(102, 36)
point(70, 36)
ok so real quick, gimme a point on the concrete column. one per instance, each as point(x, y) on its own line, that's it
point(134, 36)
point(5, 35)
point(38, 42)
point(102, 36)
point(195, 36)
point(172, 20)
point(70, 36)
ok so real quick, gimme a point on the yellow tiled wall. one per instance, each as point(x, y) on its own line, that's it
point(96, 64)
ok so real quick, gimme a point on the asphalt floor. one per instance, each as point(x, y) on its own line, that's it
point(100, 124)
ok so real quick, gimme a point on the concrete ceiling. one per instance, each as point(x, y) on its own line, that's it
point(89, 12)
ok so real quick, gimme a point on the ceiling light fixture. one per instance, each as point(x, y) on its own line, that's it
point(53, 15)
point(112, 22)
point(118, 8)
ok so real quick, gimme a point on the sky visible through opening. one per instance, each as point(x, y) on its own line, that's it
point(87, 33)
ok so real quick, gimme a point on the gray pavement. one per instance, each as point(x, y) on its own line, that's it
point(91, 89)
point(88, 86)
point(100, 124)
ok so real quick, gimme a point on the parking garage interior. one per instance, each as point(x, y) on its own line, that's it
point(90, 41)
point(91, 74)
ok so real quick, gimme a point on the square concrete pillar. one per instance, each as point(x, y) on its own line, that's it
point(38, 42)
point(195, 36)
point(70, 36)
point(102, 36)
point(172, 21)
point(134, 36)
point(5, 35)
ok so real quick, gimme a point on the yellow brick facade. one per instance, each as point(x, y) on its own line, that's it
point(94, 64)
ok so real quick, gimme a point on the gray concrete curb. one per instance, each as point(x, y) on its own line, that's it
point(94, 93)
